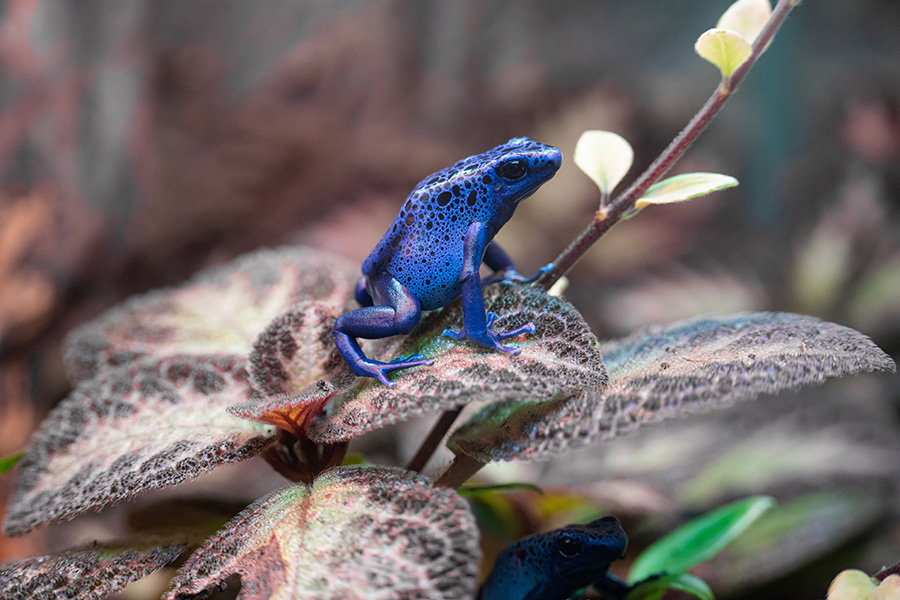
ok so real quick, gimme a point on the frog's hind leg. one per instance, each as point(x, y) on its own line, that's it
point(394, 311)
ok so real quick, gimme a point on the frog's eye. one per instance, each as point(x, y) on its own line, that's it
point(568, 546)
point(513, 169)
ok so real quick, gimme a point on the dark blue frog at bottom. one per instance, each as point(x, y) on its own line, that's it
point(555, 564)
point(433, 251)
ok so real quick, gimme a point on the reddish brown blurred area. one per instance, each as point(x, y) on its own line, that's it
point(143, 141)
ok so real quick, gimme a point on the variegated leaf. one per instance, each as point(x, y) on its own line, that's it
point(296, 350)
point(559, 360)
point(662, 372)
point(88, 574)
point(219, 311)
point(355, 533)
point(150, 424)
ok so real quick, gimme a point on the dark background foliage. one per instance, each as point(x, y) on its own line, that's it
point(141, 141)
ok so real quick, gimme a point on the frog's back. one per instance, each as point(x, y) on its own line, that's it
point(423, 249)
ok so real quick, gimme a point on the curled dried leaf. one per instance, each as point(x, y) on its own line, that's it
point(356, 532)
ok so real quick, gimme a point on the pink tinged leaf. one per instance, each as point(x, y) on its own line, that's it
point(561, 359)
point(93, 573)
point(663, 372)
point(356, 532)
point(219, 311)
point(147, 425)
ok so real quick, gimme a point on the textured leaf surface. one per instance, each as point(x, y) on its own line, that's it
point(559, 360)
point(219, 311)
point(724, 48)
point(661, 372)
point(147, 425)
point(296, 349)
point(84, 574)
point(356, 532)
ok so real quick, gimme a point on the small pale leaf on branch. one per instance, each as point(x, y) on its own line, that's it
point(685, 187)
point(354, 533)
point(150, 424)
point(605, 157)
point(851, 584)
point(90, 574)
point(662, 372)
point(560, 359)
point(724, 48)
point(746, 17)
point(219, 311)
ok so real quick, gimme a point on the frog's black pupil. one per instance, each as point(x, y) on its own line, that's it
point(568, 546)
point(514, 169)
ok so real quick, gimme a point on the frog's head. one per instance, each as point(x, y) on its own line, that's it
point(514, 170)
point(583, 553)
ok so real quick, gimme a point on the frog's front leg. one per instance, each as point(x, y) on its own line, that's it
point(476, 320)
point(504, 269)
point(394, 311)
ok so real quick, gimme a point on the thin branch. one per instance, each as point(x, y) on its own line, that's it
point(612, 213)
point(431, 443)
point(460, 470)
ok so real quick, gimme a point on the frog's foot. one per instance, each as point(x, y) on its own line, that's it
point(379, 370)
point(491, 339)
point(511, 276)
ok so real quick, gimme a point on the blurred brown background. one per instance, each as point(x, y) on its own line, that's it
point(142, 141)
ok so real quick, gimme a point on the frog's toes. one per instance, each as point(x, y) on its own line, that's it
point(379, 370)
point(456, 335)
point(419, 359)
point(527, 328)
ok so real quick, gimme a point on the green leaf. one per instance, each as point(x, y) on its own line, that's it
point(355, 533)
point(684, 187)
point(723, 48)
point(797, 532)
point(469, 491)
point(94, 572)
point(653, 589)
point(8, 462)
point(150, 424)
point(605, 157)
point(699, 540)
point(746, 17)
point(851, 585)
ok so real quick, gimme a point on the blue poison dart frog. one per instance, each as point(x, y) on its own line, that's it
point(553, 565)
point(434, 248)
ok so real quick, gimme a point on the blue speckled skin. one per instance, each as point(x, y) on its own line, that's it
point(433, 250)
point(553, 565)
